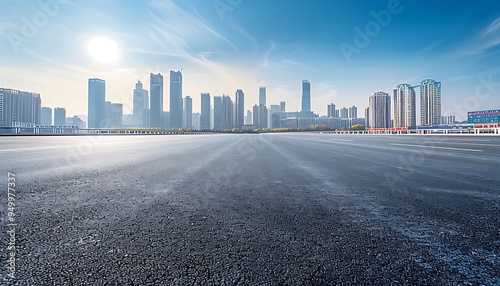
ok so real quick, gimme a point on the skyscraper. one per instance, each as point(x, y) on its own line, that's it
point(25, 108)
point(306, 96)
point(140, 102)
point(380, 110)
point(156, 101)
point(196, 121)
point(37, 108)
point(146, 117)
point(96, 106)
point(176, 99)
point(282, 106)
point(248, 117)
point(273, 108)
point(353, 112)
point(344, 113)
point(260, 116)
point(404, 106)
point(367, 117)
point(59, 116)
point(46, 116)
point(217, 112)
point(262, 95)
point(19, 107)
point(240, 109)
point(108, 115)
point(165, 117)
point(188, 112)
point(226, 113)
point(330, 110)
point(430, 102)
point(117, 115)
point(205, 111)
point(263, 116)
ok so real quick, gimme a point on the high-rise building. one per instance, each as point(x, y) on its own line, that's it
point(140, 102)
point(96, 106)
point(260, 116)
point(404, 106)
point(282, 106)
point(146, 117)
point(205, 111)
point(255, 114)
point(248, 117)
point(188, 112)
point(263, 116)
point(108, 115)
point(37, 108)
point(240, 109)
point(330, 110)
point(196, 120)
point(156, 100)
point(59, 116)
point(262, 95)
point(165, 120)
point(227, 113)
point(116, 115)
point(7, 106)
point(430, 102)
point(353, 112)
point(19, 107)
point(176, 99)
point(211, 117)
point(380, 110)
point(217, 112)
point(367, 117)
point(344, 113)
point(273, 108)
point(29, 108)
point(306, 96)
point(46, 116)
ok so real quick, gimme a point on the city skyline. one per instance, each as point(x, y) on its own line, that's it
point(224, 52)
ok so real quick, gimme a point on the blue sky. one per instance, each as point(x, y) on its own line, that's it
point(224, 45)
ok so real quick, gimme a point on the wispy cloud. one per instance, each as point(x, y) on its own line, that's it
point(183, 30)
point(486, 39)
point(493, 27)
point(266, 62)
point(291, 62)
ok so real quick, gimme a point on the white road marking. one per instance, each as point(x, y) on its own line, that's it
point(435, 147)
point(463, 143)
point(485, 140)
point(345, 140)
point(35, 148)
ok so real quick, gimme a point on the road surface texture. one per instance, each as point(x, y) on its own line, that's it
point(269, 209)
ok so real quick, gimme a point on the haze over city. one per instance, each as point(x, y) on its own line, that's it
point(223, 46)
point(249, 142)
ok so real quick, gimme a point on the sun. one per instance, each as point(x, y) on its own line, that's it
point(103, 49)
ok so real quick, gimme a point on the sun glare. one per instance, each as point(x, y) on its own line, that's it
point(103, 49)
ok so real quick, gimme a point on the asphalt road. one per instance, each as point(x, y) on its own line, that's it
point(270, 209)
